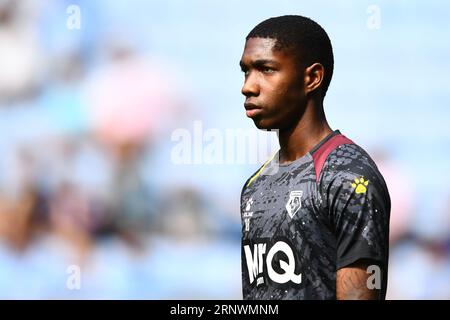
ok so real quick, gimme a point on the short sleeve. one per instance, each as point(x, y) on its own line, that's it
point(358, 206)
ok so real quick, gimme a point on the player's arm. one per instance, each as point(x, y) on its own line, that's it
point(351, 283)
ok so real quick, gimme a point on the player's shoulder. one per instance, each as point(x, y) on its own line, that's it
point(340, 157)
point(350, 162)
point(350, 158)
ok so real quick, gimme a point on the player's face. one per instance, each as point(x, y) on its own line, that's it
point(273, 85)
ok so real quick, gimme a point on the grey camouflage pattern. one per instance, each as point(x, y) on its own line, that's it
point(334, 226)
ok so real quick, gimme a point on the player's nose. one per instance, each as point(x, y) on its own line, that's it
point(250, 87)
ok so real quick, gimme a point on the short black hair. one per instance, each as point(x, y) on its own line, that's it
point(306, 38)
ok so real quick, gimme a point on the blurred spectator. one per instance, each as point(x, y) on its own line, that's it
point(21, 64)
point(133, 204)
point(130, 99)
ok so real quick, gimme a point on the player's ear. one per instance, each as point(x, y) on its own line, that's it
point(313, 77)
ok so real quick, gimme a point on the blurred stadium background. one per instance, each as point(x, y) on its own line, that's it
point(86, 122)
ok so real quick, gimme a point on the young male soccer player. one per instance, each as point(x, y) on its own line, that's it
point(315, 217)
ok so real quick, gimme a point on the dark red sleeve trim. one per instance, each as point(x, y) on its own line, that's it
point(321, 154)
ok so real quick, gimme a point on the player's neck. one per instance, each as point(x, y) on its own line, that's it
point(305, 135)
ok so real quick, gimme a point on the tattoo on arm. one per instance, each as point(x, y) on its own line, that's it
point(351, 283)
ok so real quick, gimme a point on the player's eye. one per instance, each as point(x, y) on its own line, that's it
point(267, 70)
point(245, 71)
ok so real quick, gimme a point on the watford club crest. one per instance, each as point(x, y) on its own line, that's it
point(294, 203)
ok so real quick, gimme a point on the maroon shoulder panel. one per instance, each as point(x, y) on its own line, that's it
point(321, 154)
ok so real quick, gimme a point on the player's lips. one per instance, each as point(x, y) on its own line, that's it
point(252, 110)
